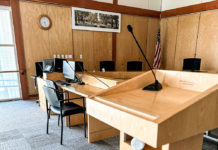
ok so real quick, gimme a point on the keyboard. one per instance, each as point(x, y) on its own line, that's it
point(62, 82)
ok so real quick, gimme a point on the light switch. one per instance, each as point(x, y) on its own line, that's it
point(81, 56)
point(54, 56)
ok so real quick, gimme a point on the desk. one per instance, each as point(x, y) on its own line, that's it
point(174, 118)
point(92, 87)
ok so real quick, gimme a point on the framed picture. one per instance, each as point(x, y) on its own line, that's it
point(94, 20)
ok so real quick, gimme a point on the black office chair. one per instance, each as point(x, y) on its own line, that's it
point(134, 66)
point(61, 107)
point(107, 65)
point(79, 66)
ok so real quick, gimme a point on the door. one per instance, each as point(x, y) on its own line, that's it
point(9, 72)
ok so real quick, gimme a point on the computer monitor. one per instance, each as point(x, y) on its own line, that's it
point(58, 65)
point(69, 70)
point(48, 65)
point(39, 69)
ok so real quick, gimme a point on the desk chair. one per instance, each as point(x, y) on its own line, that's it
point(134, 66)
point(107, 65)
point(79, 66)
point(61, 107)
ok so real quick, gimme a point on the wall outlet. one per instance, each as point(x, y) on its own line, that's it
point(81, 56)
point(62, 56)
point(66, 56)
point(58, 56)
point(54, 56)
point(70, 56)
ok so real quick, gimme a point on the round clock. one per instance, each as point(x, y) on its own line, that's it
point(45, 22)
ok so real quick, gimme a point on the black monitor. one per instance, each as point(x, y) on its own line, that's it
point(48, 65)
point(69, 70)
point(58, 65)
point(192, 64)
point(39, 69)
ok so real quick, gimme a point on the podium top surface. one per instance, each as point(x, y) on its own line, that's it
point(180, 90)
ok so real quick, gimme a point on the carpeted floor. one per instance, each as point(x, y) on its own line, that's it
point(23, 124)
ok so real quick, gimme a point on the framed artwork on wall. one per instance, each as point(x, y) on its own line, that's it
point(94, 20)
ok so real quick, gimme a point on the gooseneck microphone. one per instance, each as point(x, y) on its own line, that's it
point(154, 86)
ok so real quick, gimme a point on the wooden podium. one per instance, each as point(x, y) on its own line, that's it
point(174, 118)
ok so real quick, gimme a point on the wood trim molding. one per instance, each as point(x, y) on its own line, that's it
point(114, 48)
point(19, 44)
point(89, 4)
point(5, 2)
point(190, 9)
point(114, 41)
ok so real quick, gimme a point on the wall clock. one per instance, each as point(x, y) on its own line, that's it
point(45, 22)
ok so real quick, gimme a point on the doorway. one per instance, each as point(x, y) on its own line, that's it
point(10, 88)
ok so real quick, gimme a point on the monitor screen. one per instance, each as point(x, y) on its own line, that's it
point(69, 70)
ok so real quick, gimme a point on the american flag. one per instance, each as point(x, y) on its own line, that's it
point(157, 55)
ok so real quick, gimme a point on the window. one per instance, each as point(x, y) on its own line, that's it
point(9, 74)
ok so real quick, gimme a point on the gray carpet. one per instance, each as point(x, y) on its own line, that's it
point(23, 125)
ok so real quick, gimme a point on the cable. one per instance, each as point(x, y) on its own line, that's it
point(93, 76)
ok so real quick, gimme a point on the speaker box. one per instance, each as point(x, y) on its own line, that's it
point(192, 64)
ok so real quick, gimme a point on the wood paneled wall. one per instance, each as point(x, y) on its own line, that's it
point(93, 46)
point(41, 44)
point(182, 36)
point(145, 30)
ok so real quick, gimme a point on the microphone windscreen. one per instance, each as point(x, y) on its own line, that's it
point(129, 28)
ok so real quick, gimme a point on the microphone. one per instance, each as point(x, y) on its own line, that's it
point(154, 86)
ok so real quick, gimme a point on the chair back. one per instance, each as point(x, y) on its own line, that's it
point(51, 93)
point(79, 66)
point(107, 65)
point(134, 66)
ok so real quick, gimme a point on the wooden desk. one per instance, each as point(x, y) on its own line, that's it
point(174, 118)
point(92, 87)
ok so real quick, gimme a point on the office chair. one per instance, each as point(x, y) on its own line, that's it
point(134, 66)
point(107, 65)
point(61, 107)
point(79, 66)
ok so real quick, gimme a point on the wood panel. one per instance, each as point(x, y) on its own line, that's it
point(103, 6)
point(102, 48)
point(127, 49)
point(93, 46)
point(207, 47)
point(124, 43)
point(36, 44)
point(60, 35)
point(42, 44)
point(163, 29)
point(169, 46)
point(186, 39)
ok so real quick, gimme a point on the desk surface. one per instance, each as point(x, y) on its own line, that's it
point(83, 90)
